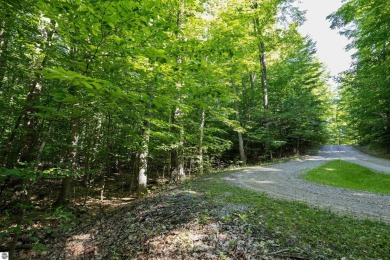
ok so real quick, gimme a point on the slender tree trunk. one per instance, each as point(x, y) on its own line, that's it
point(252, 77)
point(72, 158)
point(108, 164)
point(180, 148)
point(264, 83)
point(201, 130)
point(30, 121)
point(338, 127)
point(240, 139)
point(44, 141)
point(144, 153)
point(169, 165)
point(42, 146)
point(179, 167)
point(241, 147)
point(3, 60)
point(262, 58)
point(143, 162)
point(3, 49)
point(176, 159)
point(63, 192)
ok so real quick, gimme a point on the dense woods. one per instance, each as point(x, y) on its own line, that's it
point(364, 95)
point(152, 90)
point(99, 96)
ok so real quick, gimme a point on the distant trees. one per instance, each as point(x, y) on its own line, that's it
point(276, 79)
point(365, 92)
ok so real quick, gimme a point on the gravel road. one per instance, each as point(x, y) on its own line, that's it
point(282, 181)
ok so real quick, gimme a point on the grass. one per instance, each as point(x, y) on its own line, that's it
point(296, 229)
point(348, 175)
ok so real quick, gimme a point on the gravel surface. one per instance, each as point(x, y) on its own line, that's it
point(282, 181)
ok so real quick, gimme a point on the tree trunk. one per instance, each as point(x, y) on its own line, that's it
point(261, 48)
point(240, 139)
point(180, 156)
point(63, 192)
point(252, 77)
point(144, 153)
point(177, 155)
point(241, 147)
point(44, 141)
point(178, 171)
point(264, 83)
point(3, 50)
point(72, 158)
point(30, 121)
point(3, 60)
point(143, 160)
point(201, 130)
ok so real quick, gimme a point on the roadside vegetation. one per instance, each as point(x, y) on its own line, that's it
point(348, 175)
point(296, 230)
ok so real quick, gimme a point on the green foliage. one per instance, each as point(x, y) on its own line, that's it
point(351, 176)
point(365, 94)
point(30, 173)
point(95, 75)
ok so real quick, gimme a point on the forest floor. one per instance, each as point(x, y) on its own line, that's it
point(210, 219)
point(207, 218)
point(179, 223)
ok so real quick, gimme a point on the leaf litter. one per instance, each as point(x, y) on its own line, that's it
point(175, 224)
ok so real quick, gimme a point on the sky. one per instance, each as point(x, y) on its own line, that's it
point(330, 45)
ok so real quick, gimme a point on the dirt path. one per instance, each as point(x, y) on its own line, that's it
point(282, 181)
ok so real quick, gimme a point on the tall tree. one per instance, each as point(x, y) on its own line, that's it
point(365, 93)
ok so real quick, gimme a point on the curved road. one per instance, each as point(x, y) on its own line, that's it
point(282, 181)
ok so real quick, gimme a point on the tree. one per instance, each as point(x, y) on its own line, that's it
point(364, 89)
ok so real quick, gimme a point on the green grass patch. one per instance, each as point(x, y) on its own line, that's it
point(296, 229)
point(348, 175)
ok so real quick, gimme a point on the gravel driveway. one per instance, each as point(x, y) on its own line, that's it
point(282, 181)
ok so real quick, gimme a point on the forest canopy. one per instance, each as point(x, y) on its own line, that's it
point(153, 89)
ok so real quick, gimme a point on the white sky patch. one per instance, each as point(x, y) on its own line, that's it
point(330, 45)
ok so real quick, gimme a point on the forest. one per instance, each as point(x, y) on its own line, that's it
point(101, 97)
